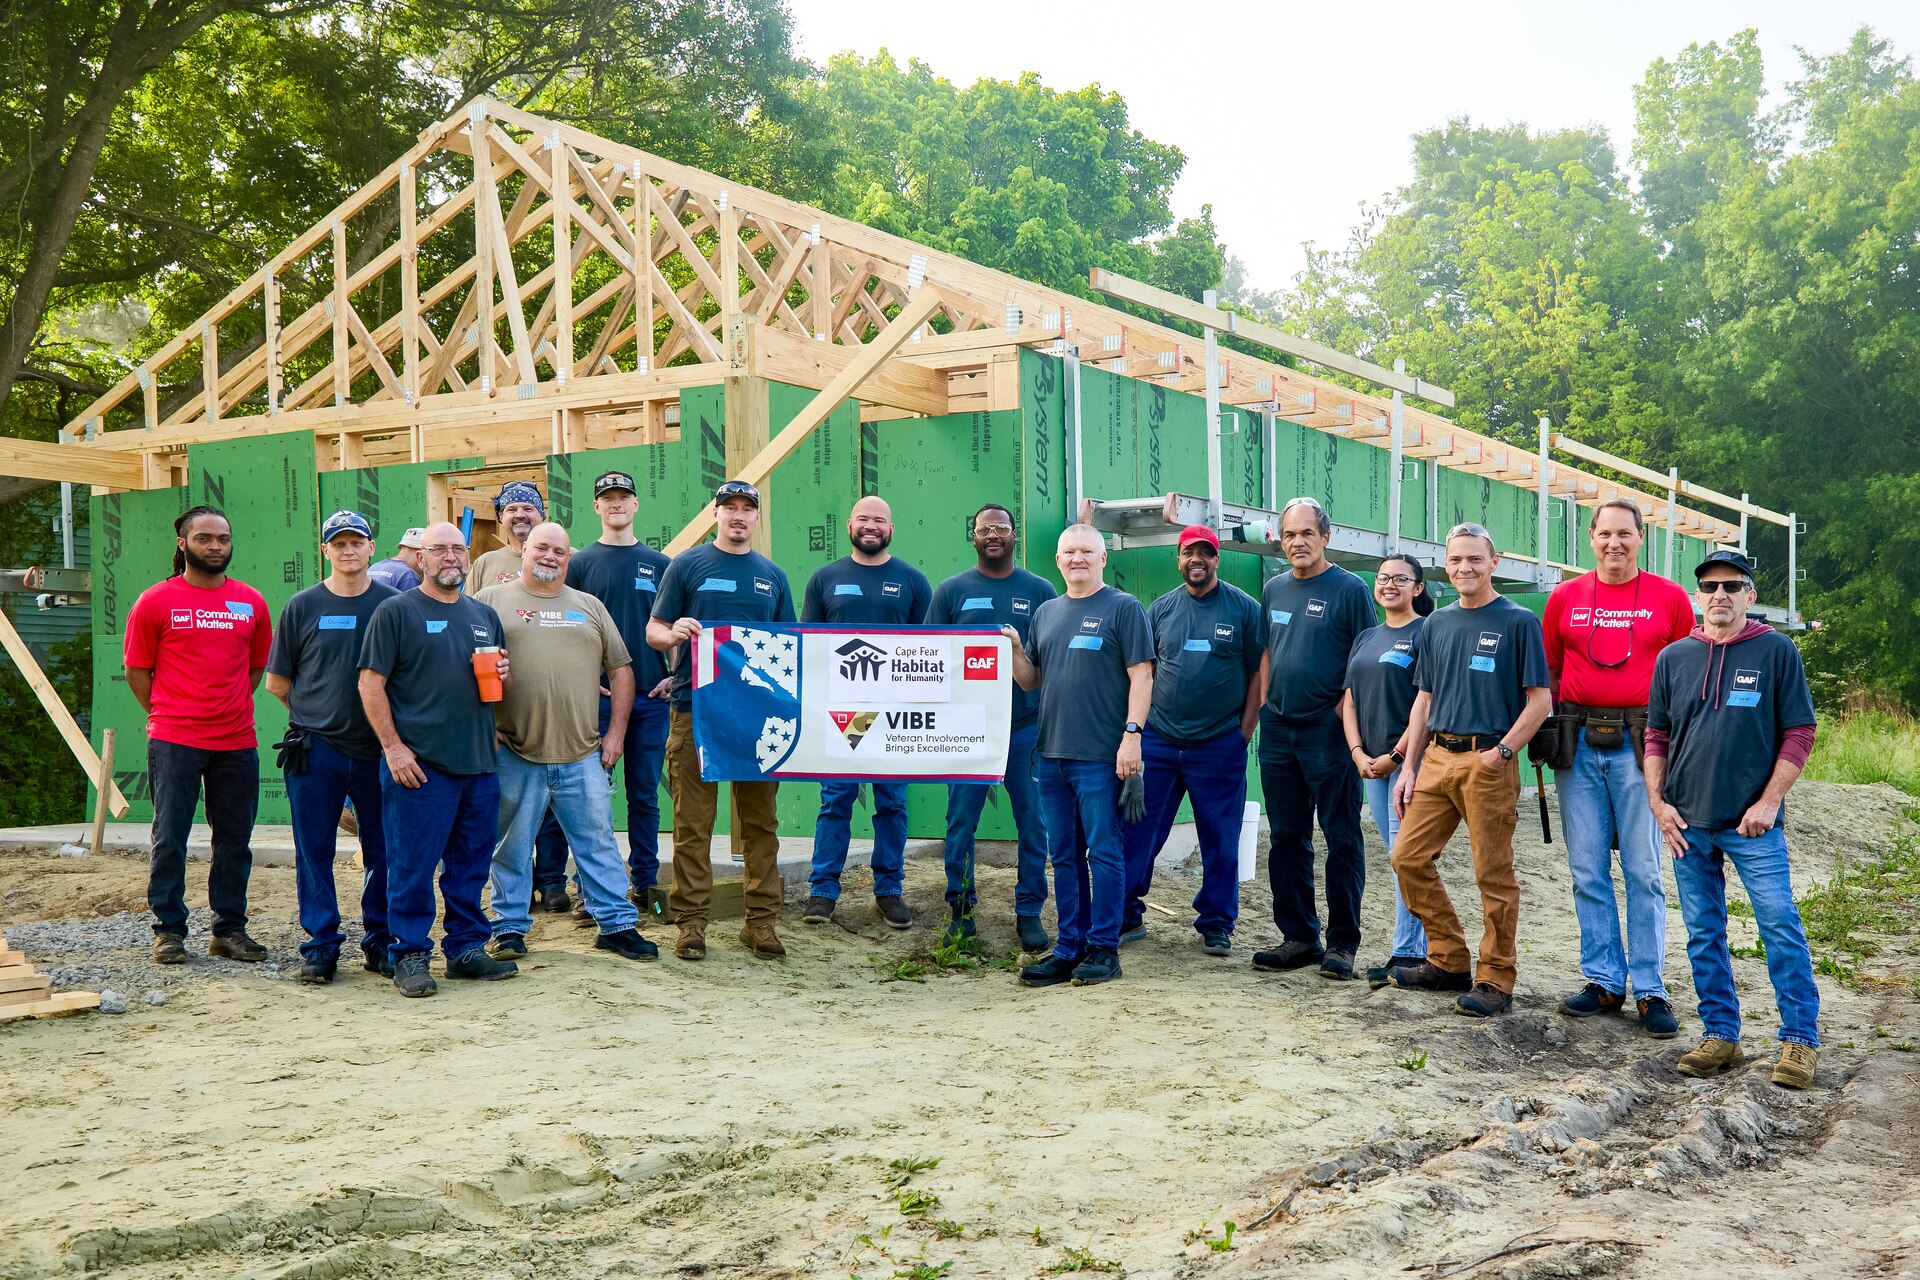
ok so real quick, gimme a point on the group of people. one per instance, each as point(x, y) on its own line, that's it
point(472, 719)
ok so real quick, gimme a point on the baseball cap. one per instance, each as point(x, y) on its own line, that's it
point(1732, 559)
point(345, 522)
point(1198, 533)
point(415, 538)
point(610, 480)
point(736, 489)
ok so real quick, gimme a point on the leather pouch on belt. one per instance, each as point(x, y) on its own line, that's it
point(1553, 742)
point(1606, 730)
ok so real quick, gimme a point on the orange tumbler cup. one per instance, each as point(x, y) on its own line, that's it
point(486, 672)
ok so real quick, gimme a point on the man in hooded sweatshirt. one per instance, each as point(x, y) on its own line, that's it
point(1729, 727)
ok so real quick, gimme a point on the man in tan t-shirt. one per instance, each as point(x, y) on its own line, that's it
point(551, 752)
point(518, 507)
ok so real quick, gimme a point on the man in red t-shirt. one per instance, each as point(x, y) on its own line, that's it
point(1603, 631)
point(196, 646)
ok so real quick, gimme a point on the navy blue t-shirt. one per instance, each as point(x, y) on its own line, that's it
point(1207, 651)
point(1083, 649)
point(425, 650)
point(1311, 626)
point(972, 599)
point(712, 585)
point(1478, 664)
point(848, 593)
point(1380, 674)
point(1725, 708)
point(316, 645)
point(627, 581)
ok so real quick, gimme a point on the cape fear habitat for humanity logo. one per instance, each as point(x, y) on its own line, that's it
point(860, 660)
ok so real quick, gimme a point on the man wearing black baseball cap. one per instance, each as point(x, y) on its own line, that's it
point(725, 580)
point(1730, 724)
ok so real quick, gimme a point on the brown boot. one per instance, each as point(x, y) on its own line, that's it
point(1795, 1068)
point(693, 941)
point(762, 940)
point(1710, 1059)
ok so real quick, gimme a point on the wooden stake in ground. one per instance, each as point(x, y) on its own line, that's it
point(102, 782)
point(56, 710)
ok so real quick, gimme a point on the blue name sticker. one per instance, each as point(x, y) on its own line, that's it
point(1481, 662)
point(1747, 698)
point(576, 615)
point(645, 584)
point(718, 584)
point(241, 607)
point(1281, 617)
point(1084, 642)
point(436, 625)
point(976, 602)
point(847, 589)
point(338, 622)
point(1198, 646)
point(1400, 659)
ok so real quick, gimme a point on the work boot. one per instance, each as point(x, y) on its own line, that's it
point(1338, 965)
point(819, 910)
point(1215, 942)
point(1033, 936)
point(1710, 1058)
point(1657, 1020)
point(1101, 965)
point(894, 911)
point(1484, 1001)
point(1288, 955)
point(628, 943)
point(411, 977)
point(507, 946)
point(959, 929)
point(1592, 1000)
point(1383, 974)
point(1133, 932)
point(349, 823)
point(377, 962)
point(582, 917)
point(1795, 1068)
point(237, 946)
point(318, 970)
point(169, 948)
point(476, 965)
point(1051, 972)
point(692, 943)
point(760, 939)
point(554, 900)
point(1428, 976)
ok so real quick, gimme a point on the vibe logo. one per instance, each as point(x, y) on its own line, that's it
point(854, 725)
point(860, 660)
point(980, 662)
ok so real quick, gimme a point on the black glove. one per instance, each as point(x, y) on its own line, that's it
point(1133, 797)
point(290, 753)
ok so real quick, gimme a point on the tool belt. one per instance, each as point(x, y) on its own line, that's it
point(1456, 743)
point(1607, 728)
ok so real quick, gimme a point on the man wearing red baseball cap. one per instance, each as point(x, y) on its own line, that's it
point(1208, 637)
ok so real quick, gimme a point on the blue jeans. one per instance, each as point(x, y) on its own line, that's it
point(833, 832)
point(965, 800)
point(641, 760)
point(1762, 864)
point(315, 797)
point(1603, 803)
point(1080, 800)
point(1304, 768)
point(1409, 936)
point(1214, 773)
point(175, 777)
point(581, 799)
point(448, 822)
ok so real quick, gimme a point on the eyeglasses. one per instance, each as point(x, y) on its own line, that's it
point(993, 530)
point(444, 552)
point(1395, 579)
point(1728, 585)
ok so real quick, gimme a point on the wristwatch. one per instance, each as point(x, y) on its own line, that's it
point(1132, 727)
point(1397, 757)
point(1506, 752)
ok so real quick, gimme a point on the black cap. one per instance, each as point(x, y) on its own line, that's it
point(1732, 559)
point(736, 489)
point(613, 480)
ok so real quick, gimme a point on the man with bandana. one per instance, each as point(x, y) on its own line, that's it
point(518, 507)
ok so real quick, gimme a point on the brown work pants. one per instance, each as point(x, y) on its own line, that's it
point(1449, 788)
point(756, 834)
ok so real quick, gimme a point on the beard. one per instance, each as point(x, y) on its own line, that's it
point(213, 564)
point(872, 540)
point(545, 575)
point(449, 578)
point(520, 528)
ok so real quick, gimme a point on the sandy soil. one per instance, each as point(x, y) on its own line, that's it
point(737, 1118)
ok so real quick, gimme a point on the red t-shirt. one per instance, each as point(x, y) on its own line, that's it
point(1589, 623)
point(203, 644)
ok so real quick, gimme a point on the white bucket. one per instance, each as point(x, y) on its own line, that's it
point(1249, 840)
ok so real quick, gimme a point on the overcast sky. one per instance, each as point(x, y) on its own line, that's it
point(1294, 115)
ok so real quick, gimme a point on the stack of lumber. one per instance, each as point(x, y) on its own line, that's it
point(27, 994)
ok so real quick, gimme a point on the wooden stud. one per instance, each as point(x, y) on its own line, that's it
point(56, 710)
point(102, 784)
point(409, 286)
point(342, 383)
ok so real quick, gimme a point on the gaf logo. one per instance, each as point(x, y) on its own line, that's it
point(1489, 641)
point(1222, 631)
point(982, 662)
point(1746, 679)
point(763, 585)
point(1316, 608)
point(183, 618)
point(860, 660)
point(889, 589)
point(1580, 618)
point(1022, 606)
point(1090, 624)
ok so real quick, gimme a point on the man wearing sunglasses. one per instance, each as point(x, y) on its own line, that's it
point(1729, 727)
point(1604, 630)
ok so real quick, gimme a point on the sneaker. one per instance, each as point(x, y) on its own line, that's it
point(1381, 975)
point(1033, 937)
point(318, 970)
point(377, 962)
point(1102, 964)
point(692, 943)
point(1657, 1020)
point(628, 943)
point(959, 928)
point(1288, 955)
point(582, 918)
point(1484, 1001)
point(819, 910)
point(1337, 965)
point(1594, 999)
point(1709, 1058)
point(1051, 972)
point(237, 946)
point(507, 946)
point(894, 911)
point(169, 948)
point(1133, 932)
point(476, 965)
point(1795, 1068)
point(762, 941)
point(411, 977)
point(1216, 943)
point(554, 901)
point(1428, 976)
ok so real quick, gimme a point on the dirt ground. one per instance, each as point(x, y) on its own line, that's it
point(737, 1118)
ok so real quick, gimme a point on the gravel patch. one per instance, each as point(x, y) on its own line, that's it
point(115, 952)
